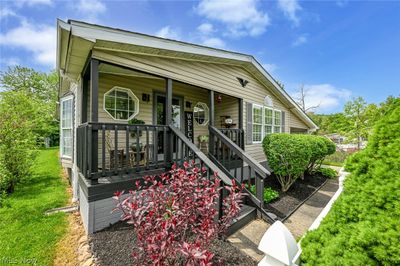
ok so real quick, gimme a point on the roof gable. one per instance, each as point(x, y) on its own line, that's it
point(80, 37)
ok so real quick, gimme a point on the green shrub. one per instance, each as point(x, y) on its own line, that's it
point(17, 137)
point(327, 172)
point(5, 178)
point(269, 193)
point(319, 150)
point(363, 226)
point(288, 156)
point(337, 158)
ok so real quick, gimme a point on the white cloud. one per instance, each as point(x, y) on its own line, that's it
point(168, 32)
point(290, 8)
point(302, 39)
point(325, 96)
point(241, 17)
point(6, 12)
point(11, 61)
point(214, 42)
point(270, 67)
point(21, 3)
point(342, 3)
point(90, 9)
point(206, 28)
point(40, 40)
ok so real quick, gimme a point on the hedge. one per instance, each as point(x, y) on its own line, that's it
point(363, 225)
point(289, 156)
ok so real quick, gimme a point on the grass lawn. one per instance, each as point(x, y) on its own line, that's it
point(25, 232)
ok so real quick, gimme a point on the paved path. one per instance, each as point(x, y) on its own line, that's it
point(247, 238)
point(299, 222)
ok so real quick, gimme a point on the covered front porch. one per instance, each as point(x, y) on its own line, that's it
point(127, 116)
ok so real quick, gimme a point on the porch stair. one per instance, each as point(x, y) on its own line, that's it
point(230, 161)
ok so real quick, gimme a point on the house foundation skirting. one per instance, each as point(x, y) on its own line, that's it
point(97, 215)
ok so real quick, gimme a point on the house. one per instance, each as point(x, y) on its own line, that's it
point(133, 104)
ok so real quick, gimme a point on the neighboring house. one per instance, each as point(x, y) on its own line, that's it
point(336, 138)
point(132, 104)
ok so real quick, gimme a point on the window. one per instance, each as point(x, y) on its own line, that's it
point(66, 108)
point(121, 104)
point(266, 120)
point(201, 113)
point(277, 123)
point(257, 123)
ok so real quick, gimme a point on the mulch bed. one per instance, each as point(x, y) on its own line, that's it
point(298, 192)
point(113, 246)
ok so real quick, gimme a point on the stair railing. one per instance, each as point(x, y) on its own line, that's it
point(236, 163)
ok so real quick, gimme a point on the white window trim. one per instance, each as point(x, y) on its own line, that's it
point(263, 124)
point(206, 114)
point(62, 100)
point(129, 91)
point(280, 118)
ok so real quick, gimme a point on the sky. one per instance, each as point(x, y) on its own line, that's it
point(336, 50)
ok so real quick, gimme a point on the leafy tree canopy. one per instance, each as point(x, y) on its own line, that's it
point(41, 89)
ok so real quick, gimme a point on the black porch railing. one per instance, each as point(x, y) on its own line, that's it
point(236, 135)
point(109, 149)
point(233, 160)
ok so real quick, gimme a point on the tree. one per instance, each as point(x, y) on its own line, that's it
point(332, 123)
point(356, 111)
point(17, 140)
point(301, 100)
point(41, 88)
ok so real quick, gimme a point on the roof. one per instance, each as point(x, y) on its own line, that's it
point(102, 37)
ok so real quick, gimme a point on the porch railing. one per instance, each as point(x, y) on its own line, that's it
point(236, 135)
point(233, 160)
point(108, 149)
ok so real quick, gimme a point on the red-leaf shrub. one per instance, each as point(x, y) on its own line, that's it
point(174, 216)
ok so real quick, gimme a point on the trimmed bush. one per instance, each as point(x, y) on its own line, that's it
point(288, 156)
point(327, 172)
point(363, 226)
point(269, 193)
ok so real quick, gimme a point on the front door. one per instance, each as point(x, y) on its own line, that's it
point(160, 113)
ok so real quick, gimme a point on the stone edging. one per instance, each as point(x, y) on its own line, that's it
point(85, 255)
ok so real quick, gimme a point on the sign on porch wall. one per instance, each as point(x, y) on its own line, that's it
point(189, 125)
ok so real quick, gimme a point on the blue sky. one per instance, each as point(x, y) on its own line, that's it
point(336, 49)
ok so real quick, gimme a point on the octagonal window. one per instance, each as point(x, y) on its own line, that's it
point(201, 113)
point(121, 103)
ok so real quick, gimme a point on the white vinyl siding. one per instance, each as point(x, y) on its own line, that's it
point(67, 105)
point(221, 78)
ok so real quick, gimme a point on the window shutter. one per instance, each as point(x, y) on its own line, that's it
point(249, 123)
point(283, 121)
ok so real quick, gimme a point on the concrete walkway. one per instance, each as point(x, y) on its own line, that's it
point(247, 238)
point(299, 222)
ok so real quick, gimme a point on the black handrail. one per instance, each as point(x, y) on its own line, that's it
point(234, 134)
point(258, 168)
point(197, 154)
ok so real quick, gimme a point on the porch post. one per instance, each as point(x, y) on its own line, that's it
point(168, 119)
point(211, 122)
point(85, 94)
point(94, 113)
point(241, 123)
point(94, 90)
point(211, 100)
